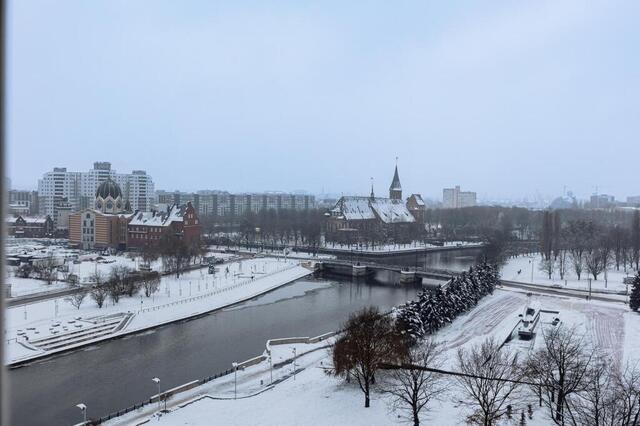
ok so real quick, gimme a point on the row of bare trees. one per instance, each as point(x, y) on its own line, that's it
point(120, 282)
point(270, 227)
point(177, 254)
point(583, 246)
point(573, 382)
point(44, 269)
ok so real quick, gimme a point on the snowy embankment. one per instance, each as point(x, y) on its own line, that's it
point(194, 293)
point(316, 398)
point(526, 270)
point(398, 248)
point(302, 255)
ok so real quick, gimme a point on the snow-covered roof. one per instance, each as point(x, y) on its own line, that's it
point(365, 208)
point(418, 199)
point(155, 218)
point(392, 211)
point(354, 208)
point(34, 219)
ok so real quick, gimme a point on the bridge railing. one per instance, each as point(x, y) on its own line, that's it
point(397, 268)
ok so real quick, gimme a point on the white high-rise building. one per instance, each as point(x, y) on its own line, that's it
point(453, 198)
point(77, 190)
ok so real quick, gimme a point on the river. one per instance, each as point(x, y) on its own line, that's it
point(116, 374)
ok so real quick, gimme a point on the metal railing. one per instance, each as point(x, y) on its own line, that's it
point(212, 293)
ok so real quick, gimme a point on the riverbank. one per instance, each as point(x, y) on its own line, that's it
point(54, 326)
point(317, 397)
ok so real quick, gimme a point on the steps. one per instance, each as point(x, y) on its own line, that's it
point(98, 327)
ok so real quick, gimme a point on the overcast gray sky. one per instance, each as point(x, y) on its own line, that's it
point(507, 98)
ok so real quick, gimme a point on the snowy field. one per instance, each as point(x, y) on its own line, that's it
point(26, 286)
point(519, 269)
point(314, 398)
point(266, 252)
point(89, 264)
point(193, 293)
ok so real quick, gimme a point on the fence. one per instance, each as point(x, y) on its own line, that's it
point(154, 398)
point(211, 293)
point(168, 393)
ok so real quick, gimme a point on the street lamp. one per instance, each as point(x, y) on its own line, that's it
point(83, 408)
point(271, 368)
point(294, 363)
point(157, 382)
point(235, 380)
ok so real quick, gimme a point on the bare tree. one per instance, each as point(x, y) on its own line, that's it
point(120, 282)
point(490, 381)
point(76, 299)
point(561, 367)
point(176, 253)
point(562, 263)
point(627, 384)
point(99, 290)
point(369, 339)
point(149, 253)
point(150, 283)
point(46, 270)
point(548, 266)
point(576, 235)
point(412, 389)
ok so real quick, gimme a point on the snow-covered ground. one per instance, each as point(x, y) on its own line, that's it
point(89, 264)
point(26, 286)
point(520, 268)
point(219, 250)
point(195, 292)
point(315, 398)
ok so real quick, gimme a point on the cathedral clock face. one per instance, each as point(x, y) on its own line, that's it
point(109, 205)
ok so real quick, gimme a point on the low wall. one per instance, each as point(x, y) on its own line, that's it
point(293, 340)
point(169, 393)
point(188, 386)
point(252, 361)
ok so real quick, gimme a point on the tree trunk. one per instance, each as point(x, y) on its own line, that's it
point(559, 406)
point(366, 394)
point(416, 418)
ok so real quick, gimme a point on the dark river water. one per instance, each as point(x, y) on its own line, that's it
point(116, 374)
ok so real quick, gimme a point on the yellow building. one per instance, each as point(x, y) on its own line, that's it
point(105, 226)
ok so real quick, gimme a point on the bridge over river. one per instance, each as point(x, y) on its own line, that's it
point(405, 274)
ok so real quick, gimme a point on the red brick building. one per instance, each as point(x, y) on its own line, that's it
point(147, 228)
point(30, 227)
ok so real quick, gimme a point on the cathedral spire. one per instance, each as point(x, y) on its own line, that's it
point(395, 190)
point(372, 194)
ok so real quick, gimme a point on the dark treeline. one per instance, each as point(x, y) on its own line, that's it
point(474, 222)
point(500, 227)
point(582, 245)
point(273, 227)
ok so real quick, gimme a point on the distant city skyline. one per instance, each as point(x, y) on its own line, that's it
point(431, 194)
point(507, 99)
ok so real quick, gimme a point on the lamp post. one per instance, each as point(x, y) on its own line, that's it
point(157, 382)
point(531, 261)
point(294, 363)
point(83, 408)
point(271, 369)
point(235, 380)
